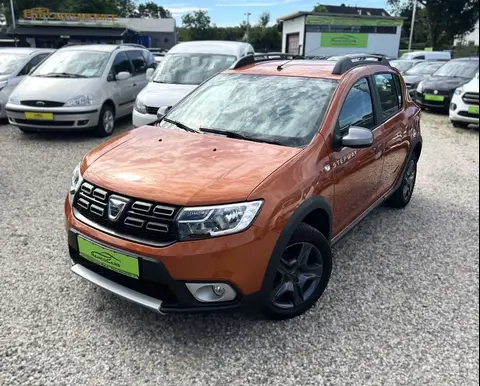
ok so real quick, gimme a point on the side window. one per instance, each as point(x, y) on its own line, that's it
point(138, 61)
point(398, 85)
point(121, 63)
point(389, 98)
point(32, 63)
point(357, 109)
point(421, 57)
point(149, 59)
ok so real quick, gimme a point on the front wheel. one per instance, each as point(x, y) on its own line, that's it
point(302, 275)
point(106, 122)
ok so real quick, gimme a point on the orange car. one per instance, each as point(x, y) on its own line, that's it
point(236, 195)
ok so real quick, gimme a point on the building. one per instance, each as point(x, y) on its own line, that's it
point(341, 30)
point(40, 27)
point(471, 38)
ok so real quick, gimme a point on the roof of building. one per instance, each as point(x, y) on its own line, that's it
point(69, 31)
point(345, 11)
point(149, 25)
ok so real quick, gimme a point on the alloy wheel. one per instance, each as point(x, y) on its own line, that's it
point(298, 275)
point(108, 121)
point(409, 180)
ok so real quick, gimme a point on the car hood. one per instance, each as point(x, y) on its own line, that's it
point(414, 79)
point(444, 83)
point(161, 94)
point(181, 168)
point(472, 86)
point(55, 89)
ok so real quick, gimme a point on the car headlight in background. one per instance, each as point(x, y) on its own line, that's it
point(211, 221)
point(140, 106)
point(420, 87)
point(13, 99)
point(75, 182)
point(3, 84)
point(82, 100)
point(460, 90)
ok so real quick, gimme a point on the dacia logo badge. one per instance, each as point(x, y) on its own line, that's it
point(116, 207)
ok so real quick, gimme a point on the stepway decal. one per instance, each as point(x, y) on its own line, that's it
point(344, 40)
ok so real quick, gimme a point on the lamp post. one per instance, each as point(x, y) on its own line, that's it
point(13, 14)
point(248, 14)
point(412, 26)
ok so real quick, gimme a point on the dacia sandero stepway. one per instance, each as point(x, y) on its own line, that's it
point(235, 196)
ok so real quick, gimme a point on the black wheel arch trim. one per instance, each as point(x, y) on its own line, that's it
point(305, 208)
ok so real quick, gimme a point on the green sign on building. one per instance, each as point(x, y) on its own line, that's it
point(353, 21)
point(343, 40)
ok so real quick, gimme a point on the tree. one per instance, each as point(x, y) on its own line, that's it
point(196, 26)
point(421, 34)
point(446, 18)
point(264, 19)
point(320, 8)
point(151, 10)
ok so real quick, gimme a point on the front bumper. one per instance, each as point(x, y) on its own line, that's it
point(139, 120)
point(459, 111)
point(64, 118)
point(238, 260)
point(443, 106)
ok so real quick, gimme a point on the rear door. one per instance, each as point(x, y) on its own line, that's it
point(122, 89)
point(356, 172)
point(394, 119)
point(140, 71)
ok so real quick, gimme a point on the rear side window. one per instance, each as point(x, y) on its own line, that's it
point(138, 61)
point(398, 86)
point(390, 99)
point(358, 107)
point(149, 59)
point(121, 64)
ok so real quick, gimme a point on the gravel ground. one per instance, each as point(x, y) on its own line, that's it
point(401, 309)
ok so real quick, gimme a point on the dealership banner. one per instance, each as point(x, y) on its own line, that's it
point(353, 21)
point(343, 40)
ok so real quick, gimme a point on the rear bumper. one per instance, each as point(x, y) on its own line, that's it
point(63, 118)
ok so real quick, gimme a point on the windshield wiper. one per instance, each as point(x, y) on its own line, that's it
point(182, 126)
point(62, 75)
point(235, 135)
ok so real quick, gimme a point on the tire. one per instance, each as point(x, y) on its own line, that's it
point(403, 195)
point(460, 125)
point(106, 122)
point(300, 280)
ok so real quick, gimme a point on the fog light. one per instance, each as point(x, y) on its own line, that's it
point(211, 292)
point(453, 107)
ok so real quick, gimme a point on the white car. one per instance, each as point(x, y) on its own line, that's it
point(81, 87)
point(15, 63)
point(464, 108)
point(184, 67)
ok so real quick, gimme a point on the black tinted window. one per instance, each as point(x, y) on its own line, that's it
point(387, 91)
point(121, 64)
point(149, 59)
point(398, 86)
point(32, 63)
point(358, 108)
point(139, 64)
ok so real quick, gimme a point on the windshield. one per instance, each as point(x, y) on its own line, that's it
point(427, 68)
point(402, 65)
point(73, 64)
point(10, 62)
point(285, 110)
point(191, 68)
point(459, 69)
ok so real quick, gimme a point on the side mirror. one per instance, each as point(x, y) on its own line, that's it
point(149, 74)
point(357, 138)
point(162, 111)
point(123, 75)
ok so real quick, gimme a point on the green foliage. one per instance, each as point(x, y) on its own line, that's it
point(264, 19)
point(320, 8)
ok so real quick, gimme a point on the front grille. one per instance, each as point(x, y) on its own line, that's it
point(152, 110)
point(44, 123)
point(42, 103)
point(438, 92)
point(467, 114)
point(144, 221)
point(471, 98)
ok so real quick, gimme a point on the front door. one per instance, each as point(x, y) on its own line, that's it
point(357, 172)
point(140, 71)
point(123, 89)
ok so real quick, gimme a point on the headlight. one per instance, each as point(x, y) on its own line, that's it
point(212, 221)
point(13, 100)
point(3, 84)
point(420, 88)
point(82, 100)
point(460, 90)
point(76, 181)
point(140, 106)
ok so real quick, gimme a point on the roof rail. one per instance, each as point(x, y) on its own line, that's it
point(256, 58)
point(350, 61)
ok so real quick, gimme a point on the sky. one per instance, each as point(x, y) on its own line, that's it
point(232, 12)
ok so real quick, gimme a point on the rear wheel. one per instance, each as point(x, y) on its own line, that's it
point(402, 196)
point(106, 121)
point(302, 275)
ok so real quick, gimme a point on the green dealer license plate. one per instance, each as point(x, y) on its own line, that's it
point(435, 98)
point(115, 261)
point(473, 110)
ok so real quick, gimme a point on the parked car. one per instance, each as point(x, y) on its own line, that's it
point(236, 197)
point(404, 65)
point(420, 72)
point(81, 87)
point(437, 90)
point(184, 67)
point(15, 63)
point(464, 109)
point(428, 55)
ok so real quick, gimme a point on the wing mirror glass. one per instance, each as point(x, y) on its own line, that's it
point(357, 138)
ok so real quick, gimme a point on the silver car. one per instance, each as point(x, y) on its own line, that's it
point(15, 63)
point(81, 87)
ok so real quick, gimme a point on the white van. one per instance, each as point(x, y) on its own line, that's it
point(184, 67)
point(428, 55)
